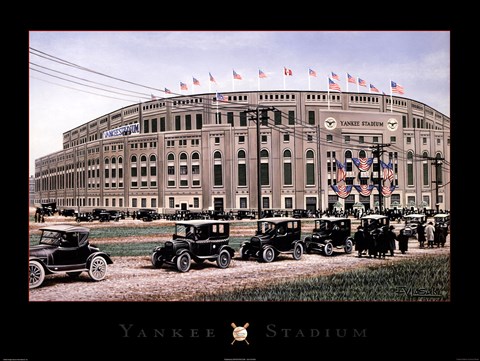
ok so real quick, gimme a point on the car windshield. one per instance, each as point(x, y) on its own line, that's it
point(184, 231)
point(323, 226)
point(51, 237)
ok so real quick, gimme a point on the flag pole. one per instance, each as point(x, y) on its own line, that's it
point(209, 84)
point(258, 81)
point(308, 74)
point(328, 92)
point(284, 76)
point(391, 98)
point(358, 85)
point(233, 82)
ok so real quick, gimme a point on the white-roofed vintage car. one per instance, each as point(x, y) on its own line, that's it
point(200, 240)
point(275, 235)
point(412, 221)
point(330, 233)
point(66, 249)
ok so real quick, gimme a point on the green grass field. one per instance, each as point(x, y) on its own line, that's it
point(422, 279)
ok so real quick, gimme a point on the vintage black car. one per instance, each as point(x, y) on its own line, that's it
point(412, 221)
point(200, 240)
point(100, 214)
point(275, 235)
point(245, 214)
point(84, 217)
point(374, 222)
point(115, 215)
point(66, 249)
point(330, 233)
point(147, 214)
point(442, 221)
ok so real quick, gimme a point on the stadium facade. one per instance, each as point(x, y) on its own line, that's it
point(317, 150)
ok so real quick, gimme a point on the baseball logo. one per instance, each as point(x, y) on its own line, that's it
point(240, 333)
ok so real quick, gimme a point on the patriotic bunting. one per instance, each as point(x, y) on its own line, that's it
point(363, 164)
point(342, 191)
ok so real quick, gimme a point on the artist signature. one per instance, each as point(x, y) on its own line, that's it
point(418, 292)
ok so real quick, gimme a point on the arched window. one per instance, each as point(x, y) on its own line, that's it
point(287, 168)
point(264, 163)
point(410, 168)
point(183, 156)
point(217, 169)
point(310, 167)
point(171, 157)
point(425, 165)
point(114, 160)
point(242, 168)
point(348, 154)
point(362, 154)
point(143, 167)
point(143, 158)
point(195, 156)
point(120, 160)
point(133, 166)
point(134, 159)
point(107, 161)
point(153, 165)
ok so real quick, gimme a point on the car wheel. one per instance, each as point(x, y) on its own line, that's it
point(78, 220)
point(74, 274)
point(328, 249)
point(243, 254)
point(268, 254)
point(348, 246)
point(183, 262)
point(98, 268)
point(156, 261)
point(37, 274)
point(223, 259)
point(297, 251)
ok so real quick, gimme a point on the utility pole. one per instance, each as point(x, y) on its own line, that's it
point(437, 162)
point(256, 117)
point(377, 151)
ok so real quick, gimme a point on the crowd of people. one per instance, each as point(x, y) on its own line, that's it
point(379, 242)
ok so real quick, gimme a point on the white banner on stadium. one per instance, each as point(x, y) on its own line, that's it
point(125, 129)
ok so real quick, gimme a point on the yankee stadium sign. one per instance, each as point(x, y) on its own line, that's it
point(123, 130)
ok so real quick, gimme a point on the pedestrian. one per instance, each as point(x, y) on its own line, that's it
point(430, 233)
point(402, 241)
point(134, 215)
point(391, 237)
point(382, 242)
point(360, 241)
point(421, 235)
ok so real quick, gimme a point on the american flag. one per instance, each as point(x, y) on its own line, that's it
point(387, 171)
point(396, 88)
point(195, 82)
point(373, 89)
point(351, 79)
point(212, 79)
point(364, 189)
point(362, 82)
point(335, 76)
point(387, 191)
point(340, 171)
point(342, 191)
point(261, 74)
point(167, 91)
point(312, 72)
point(333, 86)
point(363, 164)
point(220, 98)
point(287, 71)
point(236, 75)
point(183, 86)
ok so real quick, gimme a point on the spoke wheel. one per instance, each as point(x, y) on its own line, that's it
point(268, 254)
point(98, 268)
point(328, 249)
point(224, 258)
point(37, 274)
point(348, 246)
point(297, 251)
point(156, 261)
point(183, 262)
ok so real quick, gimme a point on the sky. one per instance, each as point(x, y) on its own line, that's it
point(419, 61)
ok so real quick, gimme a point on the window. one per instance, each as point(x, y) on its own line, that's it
point(199, 121)
point(329, 138)
point(288, 202)
point(424, 140)
point(171, 202)
point(264, 118)
point(264, 172)
point(265, 202)
point(311, 117)
point(410, 168)
point(162, 124)
point(230, 118)
point(188, 122)
point(217, 169)
point(242, 169)
point(438, 141)
point(264, 138)
point(243, 202)
point(183, 170)
point(362, 154)
point(134, 202)
point(177, 122)
point(241, 139)
point(375, 140)
point(409, 140)
point(393, 139)
point(361, 139)
point(404, 121)
point(277, 115)
point(146, 125)
point(196, 202)
point(310, 168)
point(291, 117)
point(154, 125)
point(243, 119)
point(195, 169)
point(287, 168)
point(286, 137)
point(347, 139)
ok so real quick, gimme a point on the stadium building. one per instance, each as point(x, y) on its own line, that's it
point(316, 150)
